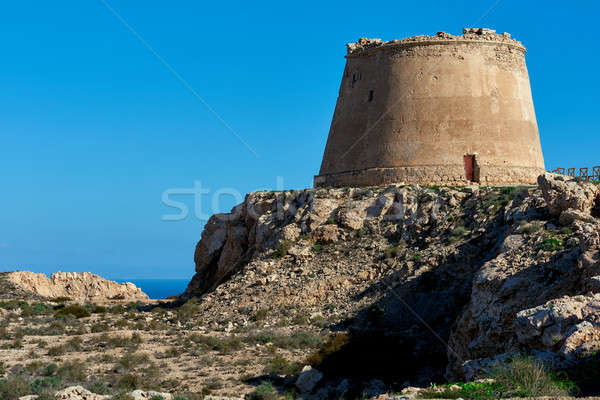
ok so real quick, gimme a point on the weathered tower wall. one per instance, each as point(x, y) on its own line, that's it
point(434, 110)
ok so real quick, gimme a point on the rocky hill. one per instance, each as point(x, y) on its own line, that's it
point(436, 281)
point(80, 286)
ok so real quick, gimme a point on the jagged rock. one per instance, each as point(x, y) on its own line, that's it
point(308, 379)
point(327, 234)
point(141, 395)
point(79, 393)
point(563, 194)
point(528, 296)
point(80, 286)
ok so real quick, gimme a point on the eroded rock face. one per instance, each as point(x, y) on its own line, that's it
point(538, 293)
point(491, 270)
point(80, 286)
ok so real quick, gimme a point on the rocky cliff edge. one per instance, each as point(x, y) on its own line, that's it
point(448, 280)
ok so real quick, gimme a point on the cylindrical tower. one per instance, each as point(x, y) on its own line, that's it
point(432, 110)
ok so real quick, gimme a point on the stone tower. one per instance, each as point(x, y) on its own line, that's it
point(443, 109)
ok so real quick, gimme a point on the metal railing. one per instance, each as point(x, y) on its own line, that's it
point(584, 173)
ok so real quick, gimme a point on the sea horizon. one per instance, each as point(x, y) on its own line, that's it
point(158, 288)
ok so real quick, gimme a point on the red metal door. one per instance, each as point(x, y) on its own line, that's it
point(470, 168)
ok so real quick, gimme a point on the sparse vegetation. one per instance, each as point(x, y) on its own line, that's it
point(75, 310)
point(521, 377)
point(551, 244)
point(458, 233)
point(282, 249)
point(529, 228)
point(266, 391)
point(281, 366)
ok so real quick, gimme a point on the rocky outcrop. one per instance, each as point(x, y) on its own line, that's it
point(406, 270)
point(80, 286)
point(539, 293)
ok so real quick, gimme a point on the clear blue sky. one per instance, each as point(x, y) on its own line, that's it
point(94, 128)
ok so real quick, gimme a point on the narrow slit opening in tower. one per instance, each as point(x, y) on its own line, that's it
point(370, 96)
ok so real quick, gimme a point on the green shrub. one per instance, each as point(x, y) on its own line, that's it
point(187, 311)
point(56, 351)
point(260, 314)
point(13, 387)
point(60, 299)
point(551, 244)
point(118, 309)
point(96, 309)
point(128, 382)
point(470, 390)
point(2, 369)
point(525, 377)
point(74, 310)
point(72, 371)
point(566, 231)
point(317, 247)
point(100, 387)
point(45, 384)
point(50, 369)
point(521, 377)
point(130, 361)
point(266, 391)
point(282, 249)
point(298, 340)
point(281, 366)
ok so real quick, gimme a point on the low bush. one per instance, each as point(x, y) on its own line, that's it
point(72, 371)
point(525, 377)
point(529, 227)
point(551, 244)
point(281, 366)
point(266, 391)
point(283, 248)
point(131, 361)
point(458, 234)
point(46, 384)
point(260, 314)
point(74, 310)
point(187, 311)
point(61, 299)
point(128, 382)
point(521, 377)
point(100, 387)
point(13, 387)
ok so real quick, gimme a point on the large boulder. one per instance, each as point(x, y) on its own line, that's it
point(563, 193)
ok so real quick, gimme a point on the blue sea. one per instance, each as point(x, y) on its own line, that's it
point(159, 288)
